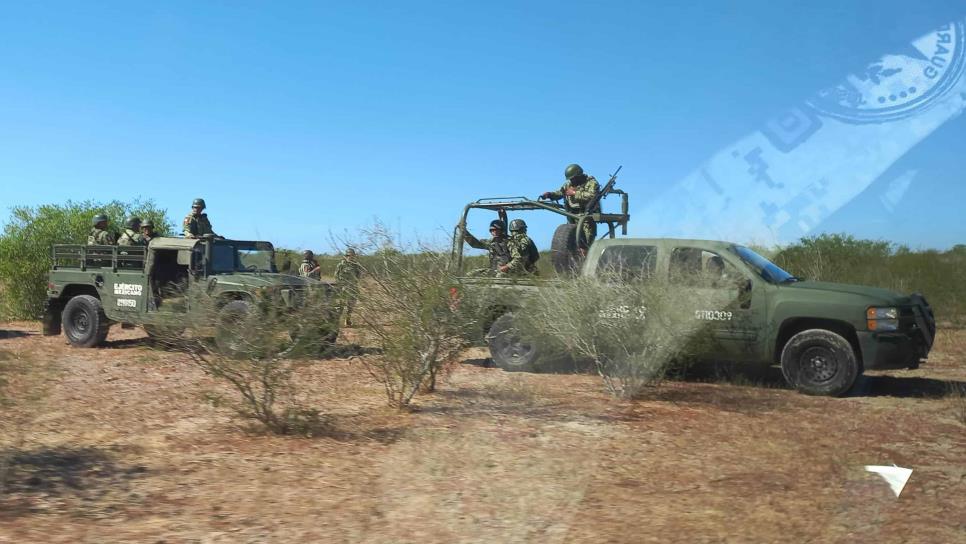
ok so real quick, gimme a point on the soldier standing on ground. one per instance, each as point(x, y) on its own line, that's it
point(578, 192)
point(131, 235)
point(147, 231)
point(523, 252)
point(496, 246)
point(99, 234)
point(196, 223)
point(310, 267)
point(347, 274)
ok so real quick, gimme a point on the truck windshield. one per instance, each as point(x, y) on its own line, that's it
point(242, 257)
point(768, 270)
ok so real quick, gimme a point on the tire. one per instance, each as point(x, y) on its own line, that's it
point(563, 249)
point(507, 349)
point(820, 362)
point(84, 322)
point(226, 338)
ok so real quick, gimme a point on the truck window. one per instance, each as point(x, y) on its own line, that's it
point(695, 267)
point(629, 263)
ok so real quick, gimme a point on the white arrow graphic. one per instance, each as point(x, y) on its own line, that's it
point(895, 476)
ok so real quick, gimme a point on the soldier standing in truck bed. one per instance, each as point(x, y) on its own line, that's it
point(131, 235)
point(578, 192)
point(99, 235)
point(523, 252)
point(196, 223)
point(496, 246)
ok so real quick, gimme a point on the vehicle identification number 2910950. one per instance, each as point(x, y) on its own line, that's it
point(713, 315)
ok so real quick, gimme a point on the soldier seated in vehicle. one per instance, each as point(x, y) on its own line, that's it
point(499, 253)
point(523, 252)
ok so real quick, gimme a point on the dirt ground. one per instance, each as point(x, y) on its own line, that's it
point(122, 444)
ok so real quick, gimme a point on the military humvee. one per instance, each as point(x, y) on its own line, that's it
point(824, 335)
point(92, 287)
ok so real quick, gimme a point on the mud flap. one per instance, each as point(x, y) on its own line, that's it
point(51, 318)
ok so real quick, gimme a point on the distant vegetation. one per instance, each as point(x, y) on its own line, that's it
point(938, 275)
point(31, 231)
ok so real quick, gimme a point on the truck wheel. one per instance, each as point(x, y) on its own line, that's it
point(563, 249)
point(819, 362)
point(227, 335)
point(84, 322)
point(507, 349)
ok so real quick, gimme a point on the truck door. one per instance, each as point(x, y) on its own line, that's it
point(718, 298)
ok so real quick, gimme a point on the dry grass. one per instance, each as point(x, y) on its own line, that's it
point(124, 449)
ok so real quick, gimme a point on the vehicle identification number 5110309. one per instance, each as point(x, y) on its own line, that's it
point(713, 315)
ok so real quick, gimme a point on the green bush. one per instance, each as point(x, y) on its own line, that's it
point(843, 258)
point(25, 245)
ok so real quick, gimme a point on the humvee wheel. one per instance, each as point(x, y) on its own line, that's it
point(507, 349)
point(819, 362)
point(227, 336)
point(84, 322)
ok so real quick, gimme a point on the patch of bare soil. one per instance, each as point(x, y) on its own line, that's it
point(122, 444)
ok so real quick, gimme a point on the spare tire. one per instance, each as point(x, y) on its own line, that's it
point(563, 249)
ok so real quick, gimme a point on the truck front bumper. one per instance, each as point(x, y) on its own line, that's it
point(891, 350)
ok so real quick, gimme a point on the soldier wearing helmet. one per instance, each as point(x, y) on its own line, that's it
point(578, 192)
point(196, 223)
point(131, 235)
point(310, 267)
point(347, 275)
point(99, 234)
point(523, 252)
point(496, 246)
point(147, 231)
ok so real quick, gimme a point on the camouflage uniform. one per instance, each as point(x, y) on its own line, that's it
point(498, 249)
point(347, 274)
point(100, 237)
point(310, 269)
point(131, 238)
point(578, 202)
point(196, 226)
point(520, 264)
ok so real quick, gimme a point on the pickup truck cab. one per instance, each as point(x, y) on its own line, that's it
point(824, 335)
point(92, 287)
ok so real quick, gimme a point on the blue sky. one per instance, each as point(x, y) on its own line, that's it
point(294, 120)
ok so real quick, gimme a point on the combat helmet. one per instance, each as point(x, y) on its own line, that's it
point(307, 254)
point(99, 218)
point(349, 252)
point(147, 224)
point(133, 222)
point(198, 203)
point(572, 171)
point(518, 225)
point(498, 224)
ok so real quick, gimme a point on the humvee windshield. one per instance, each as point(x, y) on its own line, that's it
point(234, 256)
point(768, 270)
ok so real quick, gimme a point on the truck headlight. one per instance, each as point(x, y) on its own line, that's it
point(882, 319)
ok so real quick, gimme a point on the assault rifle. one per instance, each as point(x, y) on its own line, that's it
point(594, 205)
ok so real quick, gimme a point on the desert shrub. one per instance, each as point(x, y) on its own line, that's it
point(257, 347)
point(25, 245)
point(407, 308)
point(632, 332)
point(845, 259)
point(956, 399)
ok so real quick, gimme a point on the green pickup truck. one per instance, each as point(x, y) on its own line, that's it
point(92, 287)
point(824, 335)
